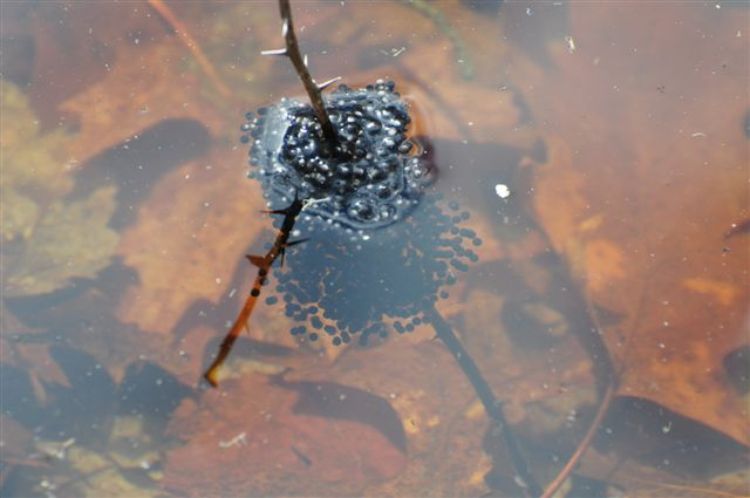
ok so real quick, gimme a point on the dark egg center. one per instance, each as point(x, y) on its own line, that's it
point(367, 180)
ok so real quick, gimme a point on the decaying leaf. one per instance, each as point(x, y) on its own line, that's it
point(274, 445)
point(189, 238)
point(311, 436)
point(152, 82)
point(644, 178)
point(47, 238)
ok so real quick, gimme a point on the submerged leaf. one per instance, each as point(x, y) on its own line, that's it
point(640, 207)
point(71, 240)
point(47, 239)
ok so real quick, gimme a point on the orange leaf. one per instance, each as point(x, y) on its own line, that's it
point(644, 179)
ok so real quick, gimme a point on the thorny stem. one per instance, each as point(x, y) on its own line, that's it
point(312, 89)
point(264, 264)
point(487, 397)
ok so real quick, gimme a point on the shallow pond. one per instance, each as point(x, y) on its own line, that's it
point(584, 236)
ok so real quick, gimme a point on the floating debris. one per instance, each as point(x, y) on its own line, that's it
point(238, 440)
point(502, 191)
point(56, 450)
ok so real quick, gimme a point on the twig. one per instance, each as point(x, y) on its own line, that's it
point(186, 38)
point(590, 336)
point(300, 65)
point(553, 486)
point(264, 264)
point(486, 396)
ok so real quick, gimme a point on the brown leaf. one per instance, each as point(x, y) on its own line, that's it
point(272, 444)
point(189, 237)
point(156, 78)
point(644, 179)
point(140, 91)
point(376, 421)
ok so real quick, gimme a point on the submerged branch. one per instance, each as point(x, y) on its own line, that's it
point(192, 44)
point(565, 472)
point(487, 397)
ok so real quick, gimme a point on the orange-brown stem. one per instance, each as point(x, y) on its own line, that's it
point(565, 472)
point(264, 264)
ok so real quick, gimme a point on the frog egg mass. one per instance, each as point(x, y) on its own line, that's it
point(367, 180)
point(370, 182)
point(346, 290)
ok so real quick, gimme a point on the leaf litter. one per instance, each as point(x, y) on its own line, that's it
point(198, 259)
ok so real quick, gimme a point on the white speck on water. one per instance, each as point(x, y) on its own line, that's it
point(571, 44)
point(502, 190)
point(520, 482)
point(666, 428)
point(529, 11)
point(238, 440)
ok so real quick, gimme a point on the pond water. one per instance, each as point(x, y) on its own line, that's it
point(576, 267)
